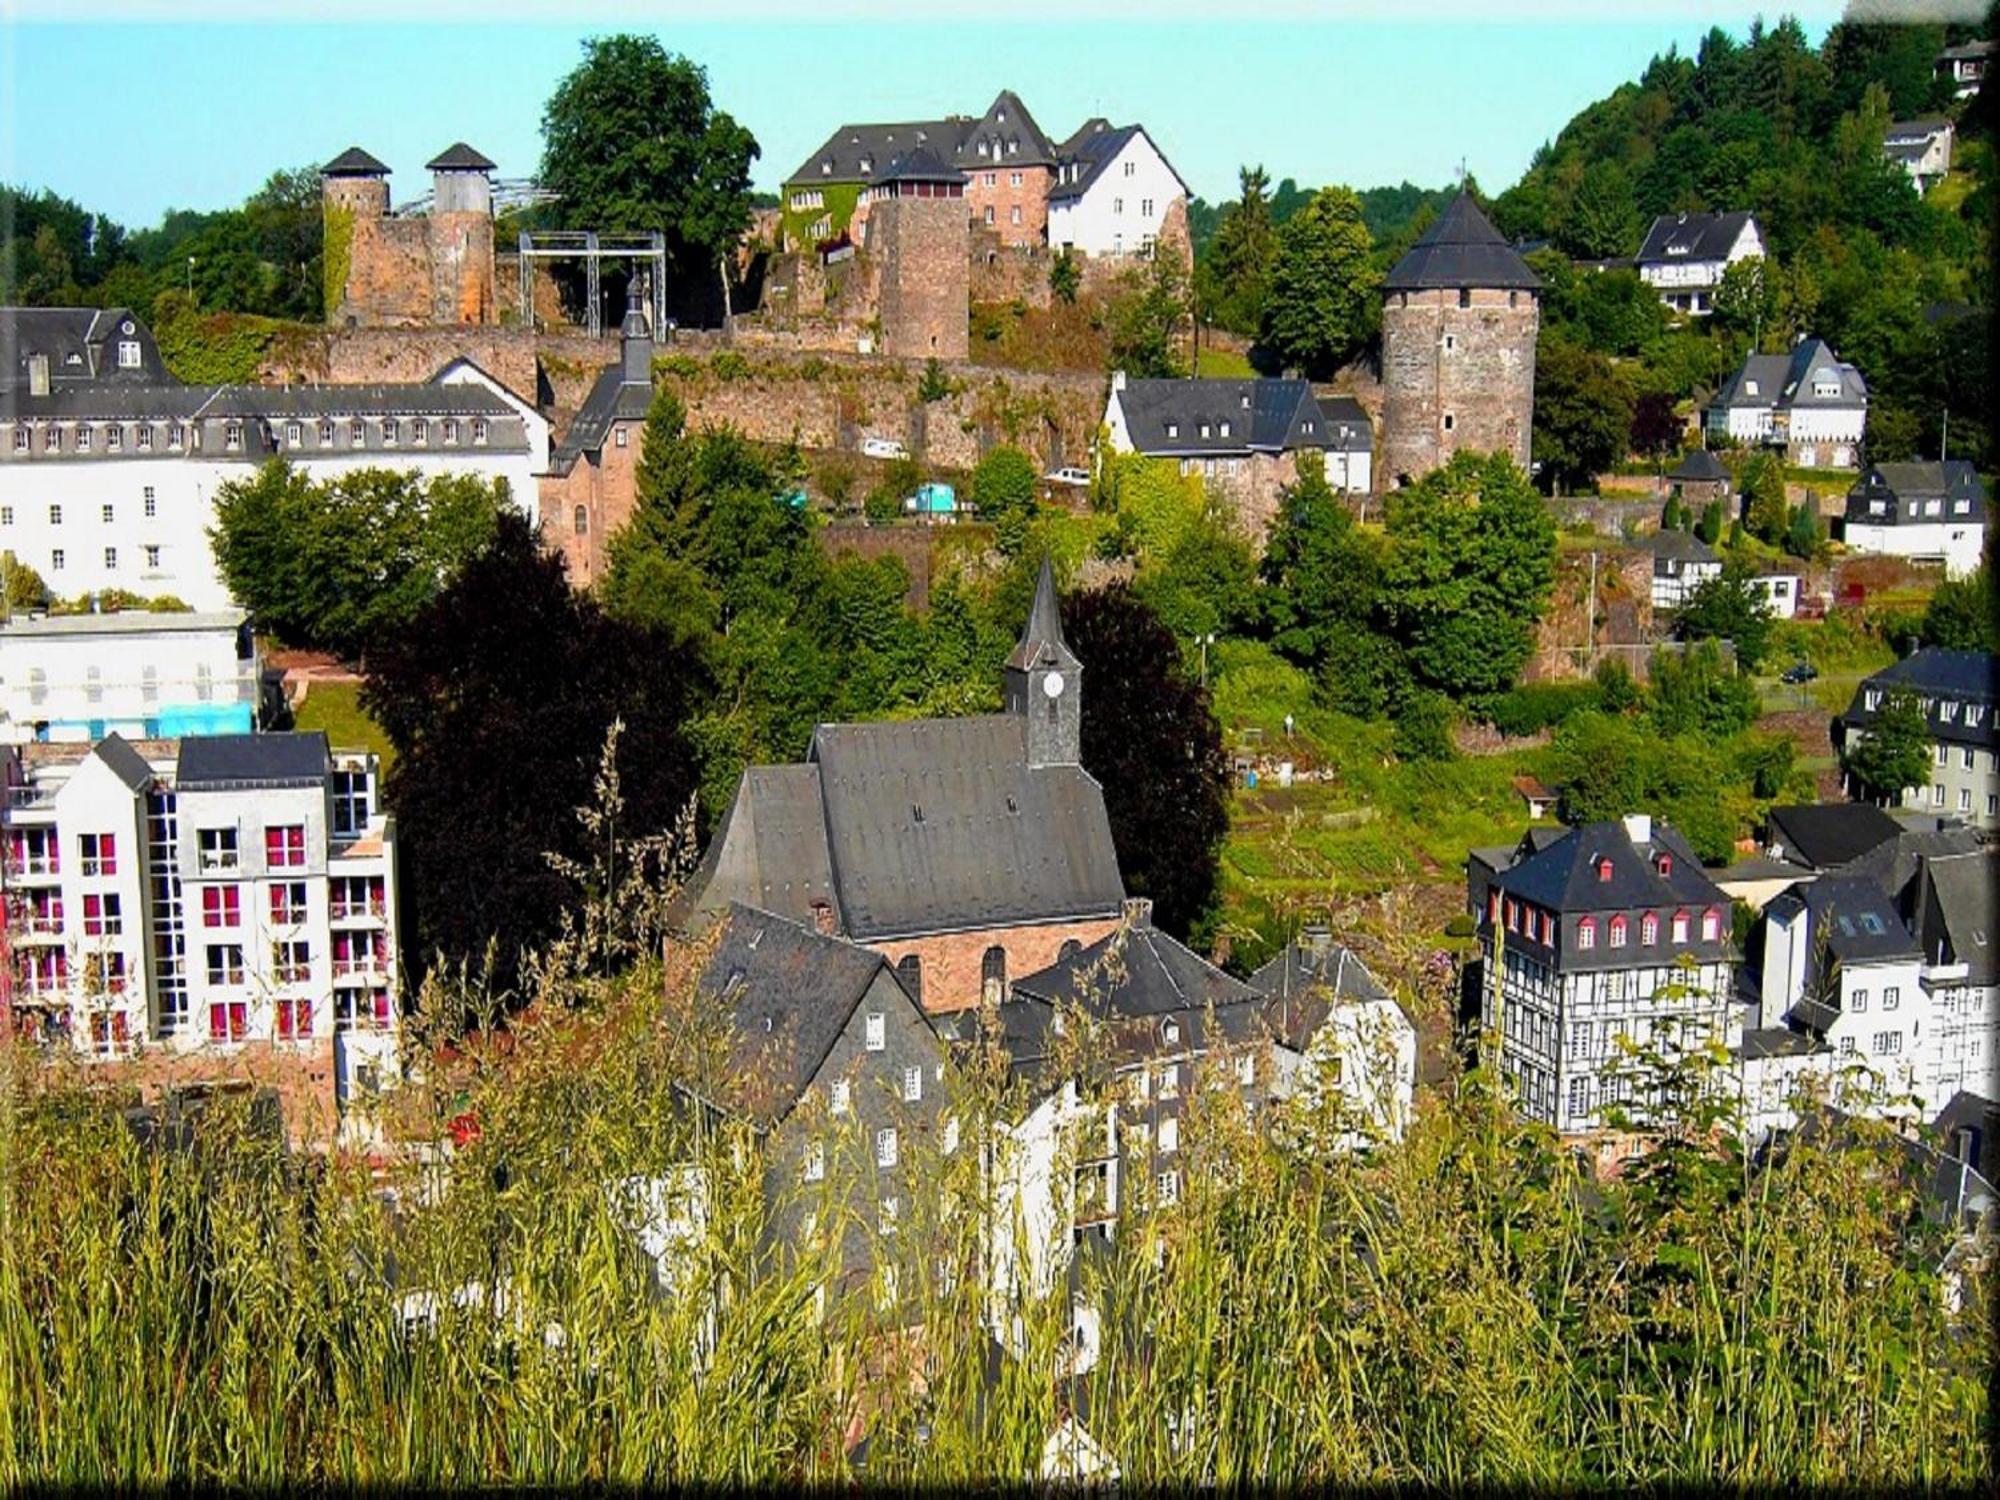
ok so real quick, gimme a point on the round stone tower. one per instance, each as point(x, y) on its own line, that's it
point(355, 183)
point(1460, 314)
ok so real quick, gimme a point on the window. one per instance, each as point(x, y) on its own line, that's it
point(989, 213)
point(1965, 758)
point(1847, 1046)
point(20, 438)
point(291, 962)
point(225, 963)
point(100, 853)
point(1586, 933)
point(913, 1085)
point(1170, 1188)
point(618, 435)
point(6, 515)
point(1118, 205)
point(885, 1146)
point(326, 434)
point(1013, 179)
point(479, 430)
point(288, 903)
point(890, 1212)
point(151, 504)
point(1170, 1081)
point(1604, 872)
point(1131, 168)
point(364, 1008)
point(295, 1020)
point(389, 427)
point(111, 559)
point(1892, 996)
point(232, 436)
point(1937, 794)
point(1014, 214)
point(1857, 1002)
point(285, 846)
point(1146, 207)
point(101, 915)
point(1170, 1135)
point(56, 559)
point(877, 1031)
point(216, 848)
point(580, 522)
point(128, 354)
point(1173, 429)
point(1680, 928)
point(1246, 1069)
point(83, 439)
point(1649, 929)
point(1711, 925)
point(1940, 753)
point(838, 1096)
point(910, 971)
point(815, 1161)
point(221, 906)
point(152, 557)
point(1888, 1042)
point(1617, 932)
point(1465, 296)
point(294, 434)
point(357, 432)
point(228, 1021)
point(420, 430)
point(1965, 799)
point(451, 429)
point(350, 802)
point(109, 1033)
point(950, 1134)
point(175, 436)
point(55, 515)
point(1450, 421)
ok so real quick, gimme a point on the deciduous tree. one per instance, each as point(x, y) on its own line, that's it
point(1324, 302)
point(1894, 752)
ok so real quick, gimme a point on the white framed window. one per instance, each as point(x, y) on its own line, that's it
point(913, 1085)
point(815, 1161)
point(479, 430)
point(390, 427)
point(1892, 996)
point(128, 354)
point(83, 439)
point(151, 502)
point(1170, 1187)
point(950, 1134)
point(56, 560)
point(326, 433)
point(618, 435)
point(232, 436)
point(295, 434)
point(451, 429)
point(839, 1096)
point(216, 850)
point(111, 559)
point(1170, 1081)
point(1858, 1002)
point(175, 436)
point(877, 1027)
point(885, 1146)
point(152, 556)
point(20, 439)
point(1246, 1069)
point(420, 430)
point(1170, 1134)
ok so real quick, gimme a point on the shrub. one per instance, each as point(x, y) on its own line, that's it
point(934, 385)
point(1423, 721)
point(1535, 706)
point(729, 365)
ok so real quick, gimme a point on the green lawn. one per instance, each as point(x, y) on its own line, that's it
point(1223, 364)
point(336, 708)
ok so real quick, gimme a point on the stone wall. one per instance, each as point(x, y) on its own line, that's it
point(388, 276)
point(461, 267)
point(583, 509)
point(1458, 371)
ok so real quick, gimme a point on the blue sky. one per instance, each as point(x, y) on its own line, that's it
point(132, 116)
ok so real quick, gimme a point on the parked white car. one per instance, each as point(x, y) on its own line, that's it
point(880, 447)
point(1072, 476)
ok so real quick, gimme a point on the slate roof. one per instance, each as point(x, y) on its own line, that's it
point(954, 140)
point(770, 849)
point(1681, 238)
point(1825, 834)
point(1902, 489)
point(459, 157)
point(1304, 982)
point(1941, 676)
point(1563, 876)
point(1959, 912)
point(612, 398)
point(235, 762)
point(918, 164)
point(1779, 1041)
point(413, 399)
point(1699, 466)
point(1672, 545)
point(1262, 415)
point(125, 622)
point(127, 764)
point(1042, 642)
point(74, 340)
point(1781, 384)
point(788, 992)
point(1856, 917)
point(105, 402)
point(1966, 51)
point(354, 162)
point(1982, 1115)
point(1461, 249)
point(1090, 151)
point(940, 824)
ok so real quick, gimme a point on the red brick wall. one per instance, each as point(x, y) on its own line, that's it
point(953, 962)
point(300, 1074)
point(1031, 198)
point(607, 491)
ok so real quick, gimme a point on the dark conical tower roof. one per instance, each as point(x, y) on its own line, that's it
point(1042, 638)
point(354, 162)
point(1462, 249)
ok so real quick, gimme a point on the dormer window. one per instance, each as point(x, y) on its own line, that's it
point(1711, 926)
point(867, 164)
point(1225, 429)
point(1665, 863)
point(114, 438)
point(1617, 932)
point(128, 354)
point(1204, 429)
point(1749, 387)
point(1649, 929)
point(1173, 429)
point(1680, 927)
point(83, 440)
point(326, 434)
point(420, 431)
point(232, 437)
point(1586, 933)
point(174, 437)
point(1604, 872)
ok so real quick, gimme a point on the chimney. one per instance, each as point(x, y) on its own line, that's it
point(38, 374)
point(1117, 380)
point(1639, 827)
point(823, 918)
point(1138, 911)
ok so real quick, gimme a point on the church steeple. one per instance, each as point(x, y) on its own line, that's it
point(1045, 681)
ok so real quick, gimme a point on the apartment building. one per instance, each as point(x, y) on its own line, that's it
point(1959, 692)
point(218, 907)
point(1609, 934)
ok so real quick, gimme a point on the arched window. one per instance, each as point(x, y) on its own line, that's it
point(1711, 925)
point(1649, 929)
point(1680, 927)
point(1548, 930)
point(993, 975)
point(1070, 948)
point(582, 520)
point(910, 970)
point(1586, 933)
point(1618, 932)
point(1493, 906)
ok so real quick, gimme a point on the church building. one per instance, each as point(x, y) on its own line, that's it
point(963, 850)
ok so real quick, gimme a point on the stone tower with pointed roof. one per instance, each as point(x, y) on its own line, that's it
point(390, 270)
point(918, 234)
point(1045, 682)
point(1460, 315)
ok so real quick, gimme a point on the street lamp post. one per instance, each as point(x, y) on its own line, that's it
point(1206, 640)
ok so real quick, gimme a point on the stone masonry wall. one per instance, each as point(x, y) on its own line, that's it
point(461, 267)
point(953, 963)
point(602, 494)
point(921, 243)
point(1471, 366)
point(388, 276)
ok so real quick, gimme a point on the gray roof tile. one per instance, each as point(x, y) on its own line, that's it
point(1461, 249)
point(1681, 238)
point(235, 761)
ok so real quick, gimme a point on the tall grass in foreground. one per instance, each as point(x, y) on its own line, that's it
point(1464, 1307)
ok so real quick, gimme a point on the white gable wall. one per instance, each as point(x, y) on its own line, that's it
point(1121, 212)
